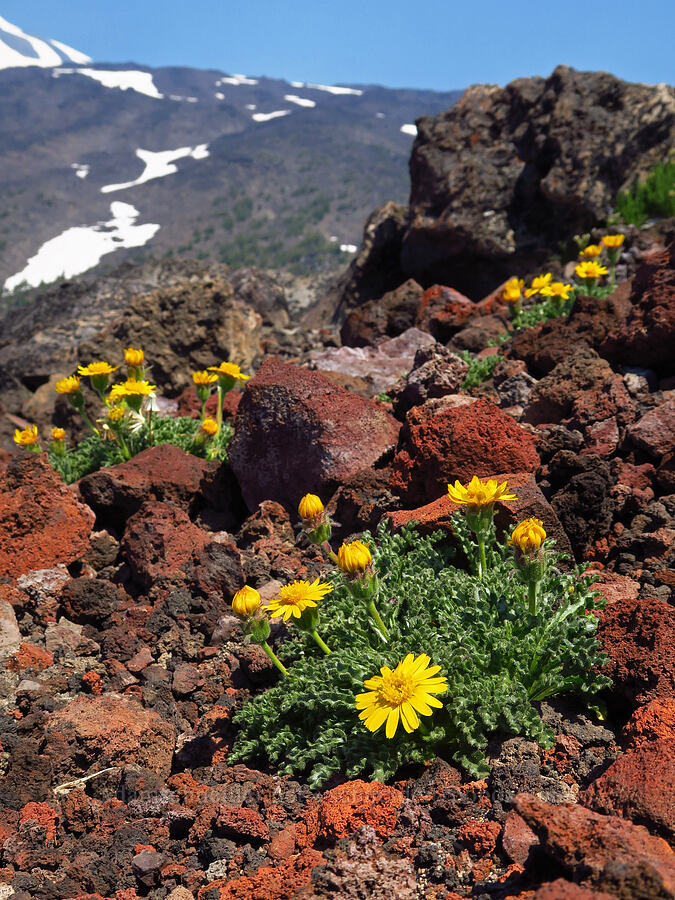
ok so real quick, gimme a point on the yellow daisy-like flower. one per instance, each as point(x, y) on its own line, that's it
point(538, 283)
point(529, 535)
point(134, 357)
point(131, 388)
point(310, 507)
point(613, 241)
point(479, 493)
point(296, 597)
point(231, 370)
point(204, 378)
point(557, 289)
point(58, 434)
point(513, 290)
point(27, 436)
point(97, 368)
point(116, 413)
point(590, 269)
point(400, 695)
point(209, 426)
point(354, 558)
point(67, 385)
point(246, 601)
point(591, 252)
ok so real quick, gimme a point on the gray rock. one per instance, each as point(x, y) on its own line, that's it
point(10, 636)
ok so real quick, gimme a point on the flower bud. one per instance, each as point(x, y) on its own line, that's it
point(246, 601)
point(354, 558)
point(310, 507)
point(209, 426)
point(528, 536)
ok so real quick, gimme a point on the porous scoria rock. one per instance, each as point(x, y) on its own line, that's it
point(280, 882)
point(92, 733)
point(41, 521)
point(344, 809)
point(296, 431)
point(638, 636)
point(639, 785)
point(385, 317)
point(381, 366)
point(476, 439)
point(506, 173)
point(651, 722)
point(655, 431)
point(435, 372)
point(158, 540)
point(611, 853)
point(566, 890)
point(165, 473)
point(647, 336)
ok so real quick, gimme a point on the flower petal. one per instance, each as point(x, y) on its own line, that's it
point(392, 721)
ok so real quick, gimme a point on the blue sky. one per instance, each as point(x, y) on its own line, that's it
point(439, 44)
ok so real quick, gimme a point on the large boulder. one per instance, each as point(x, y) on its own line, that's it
point(506, 173)
point(296, 431)
point(42, 523)
point(384, 317)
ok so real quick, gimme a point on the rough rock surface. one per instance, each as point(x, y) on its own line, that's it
point(384, 317)
point(296, 432)
point(41, 521)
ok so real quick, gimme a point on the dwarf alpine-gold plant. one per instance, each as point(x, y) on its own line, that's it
point(457, 652)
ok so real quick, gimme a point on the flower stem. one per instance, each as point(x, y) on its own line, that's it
point(332, 556)
point(532, 591)
point(326, 649)
point(275, 659)
point(219, 410)
point(482, 562)
point(90, 423)
point(372, 609)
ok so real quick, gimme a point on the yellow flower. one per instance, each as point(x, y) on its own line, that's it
point(204, 378)
point(97, 368)
point(538, 283)
point(590, 269)
point(116, 413)
point(209, 426)
point(295, 598)
point(310, 507)
point(512, 290)
point(131, 388)
point(557, 289)
point(479, 493)
point(229, 369)
point(529, 535)
point(590, 252)
point(399, 695)
point(354, 558)
point(133, 357)
point(27, 437)
point(246, 601)
point(58, 434)
point(613, 241)
point(68, 385)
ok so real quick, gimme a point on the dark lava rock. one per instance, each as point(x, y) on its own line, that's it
point(90, 601)
point(436, 372)
point(582, 498)
point(385, 317)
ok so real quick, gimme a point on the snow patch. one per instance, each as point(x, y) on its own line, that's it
point(74, 55)
point(128, 80)
point(251, 106)
point(329, 88)
point(265, 117)
point(379, 115)
point(409, 129)
point(178, 98)
point(220, 95)
point(37, 52)
point(78, 249)
point(80, 170)
point(158, 164)
point(348, 248)
point(300, 101)
point(236, 80)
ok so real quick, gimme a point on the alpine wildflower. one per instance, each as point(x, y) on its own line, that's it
point(479, 497)
point(537, 284)
point(27, 437)
point(527, 540)
point(592, 251)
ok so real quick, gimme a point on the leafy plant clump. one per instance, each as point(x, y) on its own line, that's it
point(500, 653)
point(652, 198)
point(92, 453)
point(479, 369)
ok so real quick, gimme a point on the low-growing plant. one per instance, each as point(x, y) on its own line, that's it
point(405, 655)
point(480, 369)
point(652, 198)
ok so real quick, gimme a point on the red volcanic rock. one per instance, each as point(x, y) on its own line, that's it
point(647, 336)
point(655, 431)
point(517, 838)
point(344, 809)
point(638, 636)
point(159, 539)
point(480, 837)
point(41, 521)
point(385, 317)
point(245, 824)
point(96, 732)
point(442, 311)
point(639, 785)
point(650, 722)
point(28, 656)
point(164, 473)
point(582, 390)
point(296, 431)
point(476, 439)
point(567, 890)
point(282, 882)
point(613, 854)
